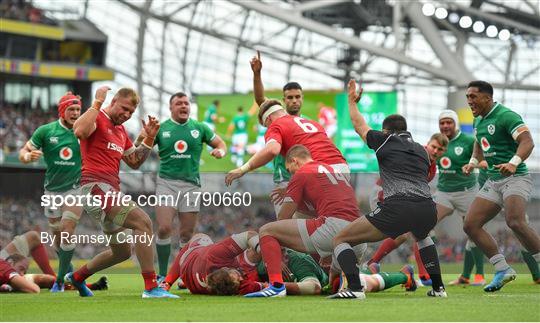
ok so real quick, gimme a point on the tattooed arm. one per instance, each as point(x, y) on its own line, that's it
point(139, 154)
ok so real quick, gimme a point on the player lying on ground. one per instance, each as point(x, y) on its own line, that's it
point(379, 281)
point(29, 244)
point(304, 276)
point(201, 257)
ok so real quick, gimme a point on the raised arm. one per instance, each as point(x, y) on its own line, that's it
point(360, 125)
point(141, 152)
point(86, 123)
point(258, 88)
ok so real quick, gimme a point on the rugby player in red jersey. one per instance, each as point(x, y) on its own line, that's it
point(104, 143)
point(28, 245)
point(329, 192)
point(11, 278)
point(285, 131)
point(200, 258)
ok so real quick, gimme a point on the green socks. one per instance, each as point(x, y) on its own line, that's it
point(468, 264)
point(163, 247)
point(478, 260)
point(65, 253)
point(531, 263)
point(393, 279)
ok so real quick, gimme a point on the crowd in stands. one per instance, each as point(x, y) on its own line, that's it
point(24, 11)
point(18, 122)
point(21, 215)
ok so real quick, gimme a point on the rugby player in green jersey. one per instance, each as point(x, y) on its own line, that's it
point(456, 190)
point(504, 141)
point(238, 128)
point(59, 147)
point(180, 142)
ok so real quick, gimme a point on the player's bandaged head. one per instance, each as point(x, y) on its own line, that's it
point(66, 101)
point(221, 282)
point(267, 108)
point(129, 93)
point(450, 114)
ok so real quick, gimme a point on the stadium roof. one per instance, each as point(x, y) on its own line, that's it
point(426, 50)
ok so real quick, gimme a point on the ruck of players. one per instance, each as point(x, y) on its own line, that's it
point(317, 243)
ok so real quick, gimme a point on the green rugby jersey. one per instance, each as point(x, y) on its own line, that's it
point(212, 110)
point(240, 123)
point(496, 134)
point(62, 155)
point(458, 154)
point(180, 147)
point(301, 266)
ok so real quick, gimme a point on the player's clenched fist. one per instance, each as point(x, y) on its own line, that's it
point(217, 153)
point(151, 128)
point(33, 155)
point(101, 93)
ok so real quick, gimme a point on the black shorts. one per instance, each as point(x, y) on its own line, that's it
point(399, 215)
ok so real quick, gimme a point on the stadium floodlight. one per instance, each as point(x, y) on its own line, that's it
point(491, 31)
point(453, 18)
point(504, 34)
point(465, 22)
point(478, 27)
point(441, 13)
point(428, 9)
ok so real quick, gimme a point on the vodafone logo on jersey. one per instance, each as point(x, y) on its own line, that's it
point(66, 153)
point(446, 162)
point(484, 143)
point(180, 146)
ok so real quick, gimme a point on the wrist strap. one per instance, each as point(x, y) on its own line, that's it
point(473, 161)
point(516, 160)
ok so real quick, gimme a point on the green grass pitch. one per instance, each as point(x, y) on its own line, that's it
point(518, 301)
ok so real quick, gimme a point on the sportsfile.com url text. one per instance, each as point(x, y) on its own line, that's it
point(110, 199)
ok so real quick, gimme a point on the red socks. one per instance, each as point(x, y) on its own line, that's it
point(81, 274)
point(422, 272)
point(271, 254)
point(174, 270)
point(42, 259)
point(150, 281)
point(385, 248)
